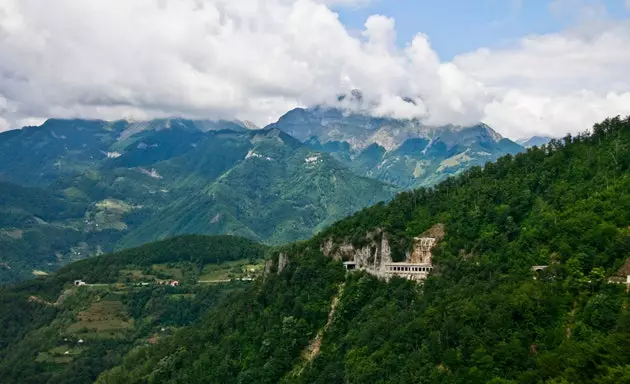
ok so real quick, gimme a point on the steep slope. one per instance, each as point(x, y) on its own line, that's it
point(482, 317)
point(425, 162)
point(280, 191)
point(403, 152)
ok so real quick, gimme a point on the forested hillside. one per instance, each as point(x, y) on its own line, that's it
point(482, 316)
point(103, 186)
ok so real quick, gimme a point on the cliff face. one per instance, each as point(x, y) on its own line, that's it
point(371, 256)
point(375, 255)
point(421, 253)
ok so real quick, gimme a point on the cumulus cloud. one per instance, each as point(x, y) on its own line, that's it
point(246, 59)
point(254, 60)
point(556, 83)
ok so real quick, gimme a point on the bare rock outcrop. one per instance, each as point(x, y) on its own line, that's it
point(375, 251)
point(283, 260)
point(374, 255)
point(421, 252)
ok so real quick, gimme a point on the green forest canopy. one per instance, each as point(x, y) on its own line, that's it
point(481, 318)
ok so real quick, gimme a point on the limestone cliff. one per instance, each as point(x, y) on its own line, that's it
point(371, 256)
point(374, 254)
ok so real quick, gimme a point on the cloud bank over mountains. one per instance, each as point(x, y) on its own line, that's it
point(254, 60)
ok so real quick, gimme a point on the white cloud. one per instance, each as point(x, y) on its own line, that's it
point(222, 58)
point(347, 3)
point(556, 83)
point(254, 60)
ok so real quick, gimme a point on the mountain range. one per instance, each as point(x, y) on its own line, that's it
point(124, 183)
point(528, 285)
point(405, 153)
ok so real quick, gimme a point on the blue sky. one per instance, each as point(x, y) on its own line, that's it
point(459, 26)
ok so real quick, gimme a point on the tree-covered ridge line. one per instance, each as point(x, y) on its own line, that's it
point(481, 318)
point(530, 203)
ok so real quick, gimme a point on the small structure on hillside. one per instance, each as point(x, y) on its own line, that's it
point(622, 276)
point(350, 265)
point(409, 271)
point(79, 283)
point(374, 256)
point(376, 259)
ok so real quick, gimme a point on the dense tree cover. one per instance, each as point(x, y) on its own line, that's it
point(481, 318)
point(35, 202)
point(197, 249)
point(254, 339)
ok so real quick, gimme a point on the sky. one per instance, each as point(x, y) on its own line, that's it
point(459, 26)
point(525, 67)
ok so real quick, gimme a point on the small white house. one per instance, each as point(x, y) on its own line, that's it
point(79, 283)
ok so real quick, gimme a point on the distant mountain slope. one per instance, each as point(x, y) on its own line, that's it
point(37, 156)
point(38, 230)
point(402, 152)
point(170, 177)
point(281, 191)
point(535, 141)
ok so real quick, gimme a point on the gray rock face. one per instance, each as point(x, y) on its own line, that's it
point(376, 257)
point(283, 260)
point(371, 256)
point(405, 153)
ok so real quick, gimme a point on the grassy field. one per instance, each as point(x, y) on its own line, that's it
point(101, 319)
point(229, 270)
point(156, 272)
